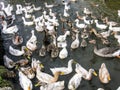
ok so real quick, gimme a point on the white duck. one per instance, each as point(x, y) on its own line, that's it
point(36, 8)
point(100, 26)
point(30, 23)
point(118, 13)
point(46, 78)
point(76, 42)
point(87, 11)
point(85, 74)
point(9, 30)
point(19, 9)
point(53, 86)
point(16, 52)
point(31, 43)
point(27, 15)
point(9, 63)
point(66, 14)
point(28, 72)
point(104, 75)
point(63, 53)
point(65, 70)
point(67, 7)
point(115, 29)
point(48, 6)
point(74, 82)
point(62, 38)
point(90, 21)
point(35, 63)
point(82, 25)
point(8, 10)
point(25, 83)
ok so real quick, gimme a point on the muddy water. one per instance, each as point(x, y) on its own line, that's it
point(85, 56)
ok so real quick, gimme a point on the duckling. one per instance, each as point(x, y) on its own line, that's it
point(28, 72)
point(104, 75)
point(42, 51)
point(74, 82)
point(85, 74)
point(25, 83)
point(83, 43)
point(17, 39)
point(53, 86)
point(65, 70)
point(76, 42)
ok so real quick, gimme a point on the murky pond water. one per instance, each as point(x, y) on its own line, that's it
point(85, 56)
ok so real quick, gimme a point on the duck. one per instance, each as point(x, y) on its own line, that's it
point(67, 7)
point(9, 63)
point(28, 72)
point(10, 30)
point(65, 13)
point(100, 89)
point(87, 75)
point(104, 74)
point(42, 51)
point(22, 62)
point(78, 25)
point(75, 81)
point(46, 78)
point(65, 70)
point(115, 29)
point(36, 8)
point(48, 6)
point(89, 21)
point(100, 26)
point(19, 9)
point(63, 53)
point(62, 44)
point(29, 8)
point(59, 85)
point(27, 15)
point(83, 43)
point(62, 38)
point(39, 26)
point(31, 43)
point(76, 42)
point(87, 11)
point(25, 83)
point(17, 39)
point(84, 34)
point(35, 63)
point(16, 52)
point(105, 34)
point(30, 23)
point(8, 10)
point(118, 13)
point(106, 52)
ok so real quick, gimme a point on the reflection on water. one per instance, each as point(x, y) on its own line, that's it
point(84, 56)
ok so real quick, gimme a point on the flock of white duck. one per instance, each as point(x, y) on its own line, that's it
point(48, 22)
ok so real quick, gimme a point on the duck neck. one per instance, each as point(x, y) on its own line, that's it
point(56, 76)
point(70, 65)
